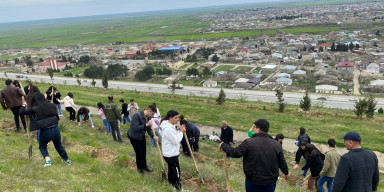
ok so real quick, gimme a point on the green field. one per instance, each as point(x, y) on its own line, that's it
point(224, 68)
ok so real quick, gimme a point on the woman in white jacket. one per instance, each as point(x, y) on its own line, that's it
point(171, 145)
point(69, 106)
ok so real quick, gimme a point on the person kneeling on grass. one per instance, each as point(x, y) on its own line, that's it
point(44, 117)
point(171, 145)
point(84, 112)
point(262, 158)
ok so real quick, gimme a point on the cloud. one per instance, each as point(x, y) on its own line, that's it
point(37, 2)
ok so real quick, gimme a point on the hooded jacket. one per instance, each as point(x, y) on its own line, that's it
point(43, 114)
point(68, 102)
point(171, 139)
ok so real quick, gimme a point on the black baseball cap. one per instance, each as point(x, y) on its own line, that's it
point(352, 136)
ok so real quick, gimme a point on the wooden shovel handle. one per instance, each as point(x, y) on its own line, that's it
point(158, 147)
point(226, 171)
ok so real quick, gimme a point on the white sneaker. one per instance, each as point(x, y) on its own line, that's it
point(93, 126)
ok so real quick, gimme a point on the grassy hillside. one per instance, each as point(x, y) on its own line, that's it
point(321, 123)
point(100, 164)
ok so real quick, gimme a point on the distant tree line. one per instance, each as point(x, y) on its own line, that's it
point(164, 71)
point(113, 71)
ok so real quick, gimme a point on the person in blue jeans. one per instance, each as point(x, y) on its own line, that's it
point(102, 116)
point(331, 161)
point(124, 111)
point(45, 118)
point(84, 112)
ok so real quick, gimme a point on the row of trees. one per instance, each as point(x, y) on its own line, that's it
point(343, 47)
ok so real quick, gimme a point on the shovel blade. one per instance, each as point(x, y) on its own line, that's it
point(30, 152)
point(299, 184)
point(163, 176)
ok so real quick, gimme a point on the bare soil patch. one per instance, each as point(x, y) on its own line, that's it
point(195, 184)
point(103, 155)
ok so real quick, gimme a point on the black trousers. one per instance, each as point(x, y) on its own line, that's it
point(140, 148)
point(115, 131)
point(173, 171)
point(15, 111)
point(185, 145)
point(195, 145)
point(72, 113)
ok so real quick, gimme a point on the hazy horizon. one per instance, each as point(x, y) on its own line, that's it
point(32, 10)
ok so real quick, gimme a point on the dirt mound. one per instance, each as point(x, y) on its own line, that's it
point(219, 162)
point(9, 126)
point(293, 179)
point(76, 147)
point(195, 184)
point(103, 155)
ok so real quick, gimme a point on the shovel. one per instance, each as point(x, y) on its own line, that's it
point(28, 131)
point(163, 174)
point(193, 158)
point(226, 171)
point(300, 183)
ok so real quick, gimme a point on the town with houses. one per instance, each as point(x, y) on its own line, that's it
point(336, 62)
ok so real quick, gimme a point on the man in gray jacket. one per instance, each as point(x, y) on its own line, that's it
point(140, 123)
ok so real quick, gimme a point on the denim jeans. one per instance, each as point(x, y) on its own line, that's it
point(51, 134)
point(38, 135)
point(125, 119)
point(250, 187)
point(58, 108)
point(89, 119)
point(321, 182)
point(152, 142)
point(306, 170)
point(107, 126)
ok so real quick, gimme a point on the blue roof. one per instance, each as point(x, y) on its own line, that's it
point(171, 48)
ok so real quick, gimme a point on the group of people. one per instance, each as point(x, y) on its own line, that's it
point(42, 116)
point(262, 154)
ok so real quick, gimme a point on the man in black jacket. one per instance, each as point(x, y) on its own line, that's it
point(140, 124)
point(263, 156)
point(358, 169)
point(226, 133)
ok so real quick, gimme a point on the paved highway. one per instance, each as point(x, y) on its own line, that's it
point(333, 101)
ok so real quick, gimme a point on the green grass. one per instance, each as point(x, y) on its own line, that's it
point(74, 71)
point(224, 68)
point(330, 122)
point(243, 69)
point(92, 173)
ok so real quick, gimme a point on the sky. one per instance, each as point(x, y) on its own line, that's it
point(26, 10)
